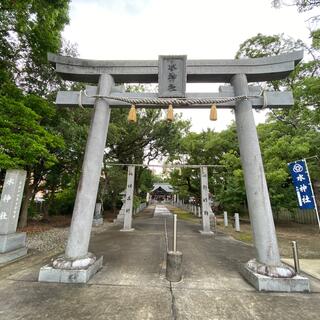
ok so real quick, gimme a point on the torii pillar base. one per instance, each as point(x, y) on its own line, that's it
point(76, 274)
point(261, 282)
point(206, 233)
point(127, 230)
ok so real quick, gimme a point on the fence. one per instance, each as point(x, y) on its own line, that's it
point(194, 209)
point(140, 208)
point(295, 215)
point(279, 215)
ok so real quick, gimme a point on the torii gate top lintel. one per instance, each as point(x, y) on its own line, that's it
point(146, 71)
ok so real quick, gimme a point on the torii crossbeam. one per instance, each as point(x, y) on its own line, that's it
point(201, 71)
point(266, 272)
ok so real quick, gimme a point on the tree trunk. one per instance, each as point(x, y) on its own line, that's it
point(114, 204)
point(49, 202)
point(23, 219)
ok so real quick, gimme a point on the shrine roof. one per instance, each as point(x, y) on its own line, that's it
point(165, 186)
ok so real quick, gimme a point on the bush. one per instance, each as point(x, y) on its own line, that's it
point(63, 202)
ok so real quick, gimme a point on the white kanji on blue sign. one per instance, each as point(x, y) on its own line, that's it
point(302, 184)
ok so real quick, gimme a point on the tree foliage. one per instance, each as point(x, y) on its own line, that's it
point(302, 5)
point(24, 141)
point(225, 181)
point(28, 30)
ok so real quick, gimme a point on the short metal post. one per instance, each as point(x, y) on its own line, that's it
point(295, 256)
point(225, 218)
point(174, 233)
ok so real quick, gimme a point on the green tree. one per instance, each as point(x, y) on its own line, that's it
point(25, 143)
point(29, 29)
point(225, 181)
point(148, 139)
point(63, 176)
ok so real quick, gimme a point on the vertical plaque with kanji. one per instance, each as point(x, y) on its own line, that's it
point(205, 199)
point(127, 223)
point(172, 76)
point(11, 200)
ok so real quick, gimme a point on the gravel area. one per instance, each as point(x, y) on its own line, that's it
point(56, 238)
point(53, 239)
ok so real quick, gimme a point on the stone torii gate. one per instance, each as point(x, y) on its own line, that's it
point(266, 272)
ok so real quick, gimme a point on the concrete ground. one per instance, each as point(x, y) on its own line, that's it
point(309, 266)
point(132, 283)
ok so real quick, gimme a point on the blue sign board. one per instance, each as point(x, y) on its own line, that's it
point(302, 184)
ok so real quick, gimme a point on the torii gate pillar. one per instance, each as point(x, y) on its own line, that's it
point(266, 272)
point(256, 187)
point(78, 265)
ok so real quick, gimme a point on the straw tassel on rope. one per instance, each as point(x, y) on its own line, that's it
point(213, 113)
point(170, 113)
point(132, 116)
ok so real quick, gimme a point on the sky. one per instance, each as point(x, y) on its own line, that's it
point(201, 29)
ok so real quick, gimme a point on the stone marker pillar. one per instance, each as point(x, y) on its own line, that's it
point(77, 265)
point(97, 217)
point(127, 223)
point(12, 243)
point(148, 198)
point(225, 218)
point(237, 222)
point(120, 216)
point(205, 202)
point(268, 258)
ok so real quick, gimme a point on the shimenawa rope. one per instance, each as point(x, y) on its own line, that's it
point(173, 101)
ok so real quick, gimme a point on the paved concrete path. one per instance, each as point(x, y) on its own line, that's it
point(132, 285)
point(309, 266)
point(161, 210)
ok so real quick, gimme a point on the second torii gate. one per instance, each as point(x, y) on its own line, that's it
point(266, 272)
point(205, 207)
